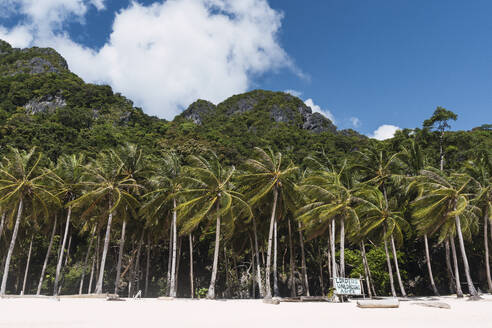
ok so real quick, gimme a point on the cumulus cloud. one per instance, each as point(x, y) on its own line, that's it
point(385, 131)
point(19, 36)
point(355, 122)
point(179, 51)
point(317, 109)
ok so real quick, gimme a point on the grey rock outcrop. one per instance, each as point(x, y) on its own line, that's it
point(197, 111)
point(45, 104)
point(281, 107)
point(279, 114)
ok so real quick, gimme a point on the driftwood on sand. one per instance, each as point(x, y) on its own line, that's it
point(379, 304)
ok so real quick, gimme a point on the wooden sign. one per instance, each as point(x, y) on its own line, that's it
point(347, 286)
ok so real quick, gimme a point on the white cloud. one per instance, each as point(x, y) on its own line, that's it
point(178, 51)
point(19, 36)
point(294, 93)
point(355, 122)
point(385, 131)
point(317, 109)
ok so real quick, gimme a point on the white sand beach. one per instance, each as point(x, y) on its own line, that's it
point(75, 313)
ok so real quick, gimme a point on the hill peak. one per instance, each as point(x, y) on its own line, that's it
point(281, 108)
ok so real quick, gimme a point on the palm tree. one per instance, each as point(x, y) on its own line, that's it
point(269, 176)
point(381, 221)
point(21, 181)
point(48, 252)
point(330, 199)
point(413, 157)
point(108, 188)
point(163, 199)
point(133, 166)
point(380, 168)
point(67, 175)
point(443, 207)
point(480, 170)
point(209, 194)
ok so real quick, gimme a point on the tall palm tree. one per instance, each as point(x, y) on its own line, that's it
point(379, 219)
point(443, 207)
point(413, 158)
point(107, 188)
point(166, 184)
point(134, 166)
point(22, 181)
point(48, 252)
point(480, 170)
point(330, 199)
point(381, 168)
point(209, 194)
point(268, 176)
point(68, 175)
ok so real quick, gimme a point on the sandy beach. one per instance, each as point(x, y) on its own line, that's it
point(75, 313)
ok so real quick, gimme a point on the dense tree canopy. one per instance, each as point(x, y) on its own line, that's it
point(83, 170)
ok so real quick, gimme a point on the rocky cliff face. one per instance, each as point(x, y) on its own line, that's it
point(14, 61)
point(198, 111)
point(281, 107)
point(45, 104)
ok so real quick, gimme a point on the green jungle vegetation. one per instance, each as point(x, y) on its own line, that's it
point(254, 197)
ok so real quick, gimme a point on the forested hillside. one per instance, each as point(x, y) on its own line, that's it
point(272, 199)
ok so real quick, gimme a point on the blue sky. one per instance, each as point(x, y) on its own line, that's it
point(371, 63)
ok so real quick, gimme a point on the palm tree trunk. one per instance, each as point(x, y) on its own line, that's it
point(429, 267)
point(342, 248)
point(11, 248)
point(178, 261)
point(469, 281)
point(192, 287)
point(332, 247)
point(441, 153)
point(46, 258)
point(395, 259)
point(62, 273)
point(275, 274)
point(268, 293)
point(86, 259)
point(98, 252)
point(68, 252)
point(173, 263)
point(490, 226)
point(27, 266)
point(120, 256)
point(136, 272)
point(459, 291)
point(91, 277)
point(292, 282)
point(169, 260)
point(258, 270)
point(61, 252)
point(211, 288)
point(253, 289)
point(390, 270)
point(2, 222)
point(486, 243)
point(147, 266)
point(328, 260)
point(303, 261)
point(99, 285)
point(452, 283)
point(364, 263)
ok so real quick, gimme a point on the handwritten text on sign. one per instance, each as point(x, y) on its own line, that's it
point(347, 286)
